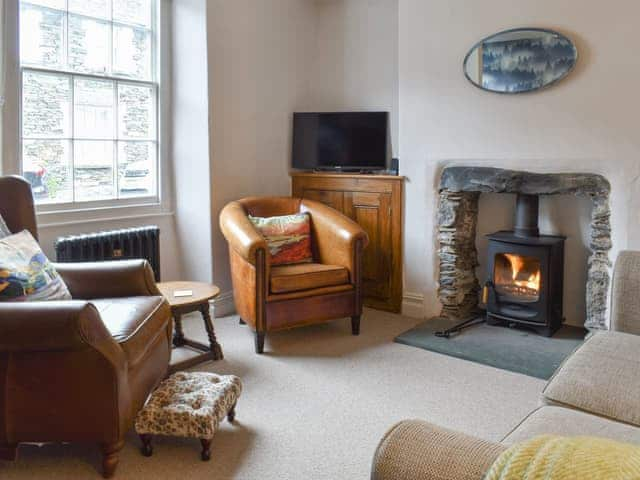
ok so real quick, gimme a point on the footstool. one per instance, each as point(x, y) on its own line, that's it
point(189, 404)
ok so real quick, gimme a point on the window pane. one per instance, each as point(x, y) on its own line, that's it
point(46, 105)
point(88, 45)
point(46, 165)
point(136, 115)
point(137, 12)
point(131, 52)
point(41, 36)
point(93, 170)
point(137, 169)
point(59, 4)
point(93, 108)
point(91, 8)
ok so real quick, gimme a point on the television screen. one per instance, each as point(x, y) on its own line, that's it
point(350, 141)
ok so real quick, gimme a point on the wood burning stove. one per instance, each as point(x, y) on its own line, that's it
point(525, 273)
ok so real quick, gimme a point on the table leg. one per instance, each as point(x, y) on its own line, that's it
point(216, 349)
point(178, 334)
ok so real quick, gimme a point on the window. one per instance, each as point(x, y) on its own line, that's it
point(89, 100)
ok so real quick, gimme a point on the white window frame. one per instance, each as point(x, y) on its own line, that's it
point(54, 214)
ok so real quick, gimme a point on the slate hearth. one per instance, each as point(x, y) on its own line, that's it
point(460, 189)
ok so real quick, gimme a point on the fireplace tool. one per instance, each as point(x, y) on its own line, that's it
point(488, 290)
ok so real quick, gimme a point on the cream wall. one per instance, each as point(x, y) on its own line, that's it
point(355, 58)
point(586, 123)
point(259, 62)
point(190, 130)
point(251, 64)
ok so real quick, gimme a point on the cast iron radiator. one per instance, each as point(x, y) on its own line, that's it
point(143, 242)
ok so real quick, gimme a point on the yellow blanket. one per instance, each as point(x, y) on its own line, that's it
point(549, 457)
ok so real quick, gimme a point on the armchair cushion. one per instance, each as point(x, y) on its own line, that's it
point(288, 237)
point(134, 323)
point(26, 273)
point(293, 278)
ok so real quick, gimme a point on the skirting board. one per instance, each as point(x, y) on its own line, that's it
point(413, 305)
point(223, 305)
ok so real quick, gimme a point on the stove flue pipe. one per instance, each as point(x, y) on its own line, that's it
point(526, 216)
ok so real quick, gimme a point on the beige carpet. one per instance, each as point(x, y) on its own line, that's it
point(314, 407)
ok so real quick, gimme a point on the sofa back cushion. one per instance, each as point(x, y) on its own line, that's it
point(601, 377)
point(26, 273)
point(288, 237)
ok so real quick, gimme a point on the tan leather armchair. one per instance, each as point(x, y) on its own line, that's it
point(281, 297)
point(79, 370)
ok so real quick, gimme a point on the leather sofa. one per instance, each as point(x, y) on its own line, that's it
point(281, 297)
point(594, 393)
point(79, 370)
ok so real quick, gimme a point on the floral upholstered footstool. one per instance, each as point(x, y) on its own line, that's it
point(189, 404)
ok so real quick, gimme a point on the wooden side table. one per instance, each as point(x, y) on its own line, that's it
point(198, 301)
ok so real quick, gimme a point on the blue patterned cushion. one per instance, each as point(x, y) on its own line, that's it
point(26, 273)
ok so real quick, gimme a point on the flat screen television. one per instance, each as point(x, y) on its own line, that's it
point(340, 141)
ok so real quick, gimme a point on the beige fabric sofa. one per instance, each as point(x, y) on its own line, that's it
point(594, 392)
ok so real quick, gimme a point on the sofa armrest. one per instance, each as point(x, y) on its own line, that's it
point(625, 293)
point(111, 279)
point(337, 237)
point(417, 450)
point(53, 326)
point(240, 233)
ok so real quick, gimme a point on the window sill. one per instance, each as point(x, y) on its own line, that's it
point(51, 219)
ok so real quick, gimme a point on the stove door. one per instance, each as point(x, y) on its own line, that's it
point(519, 274)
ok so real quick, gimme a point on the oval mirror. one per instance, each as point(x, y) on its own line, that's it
point(520, 60)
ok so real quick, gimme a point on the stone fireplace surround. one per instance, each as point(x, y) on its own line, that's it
point(460, 189)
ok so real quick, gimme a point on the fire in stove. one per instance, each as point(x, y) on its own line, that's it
point(517, 276)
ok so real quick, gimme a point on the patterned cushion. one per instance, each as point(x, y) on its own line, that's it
point(4, 230)
point(189, 404)
point(288, 237)
point(26, 273)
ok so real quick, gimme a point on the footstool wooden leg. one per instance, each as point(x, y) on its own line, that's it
point(147, 448)
point(206, 450)
point(231, 416)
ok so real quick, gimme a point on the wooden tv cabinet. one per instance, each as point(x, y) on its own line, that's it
point(375, 202)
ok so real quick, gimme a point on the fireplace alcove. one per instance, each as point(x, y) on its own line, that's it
point(460, 189)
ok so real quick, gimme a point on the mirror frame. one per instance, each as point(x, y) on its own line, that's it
point(520, 29)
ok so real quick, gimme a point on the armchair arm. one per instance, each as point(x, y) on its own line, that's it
point(625, 293)
point(416, 450)
point(54, 326)
point(112, 279)
point(336, 235)
point(242, 236)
